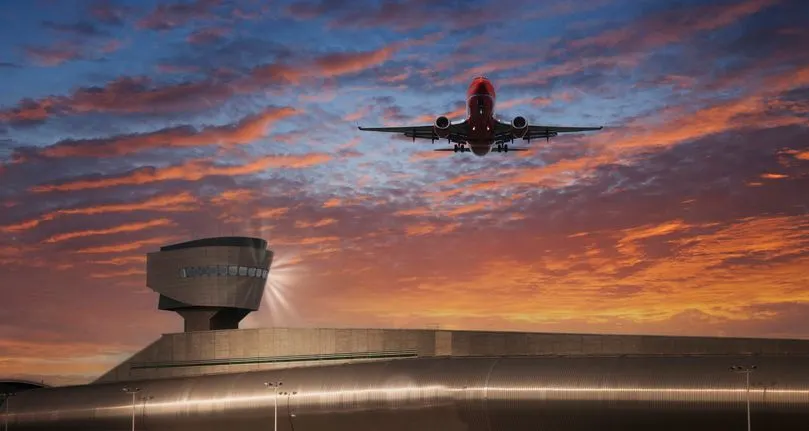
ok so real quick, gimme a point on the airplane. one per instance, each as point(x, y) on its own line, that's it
point(482, 131)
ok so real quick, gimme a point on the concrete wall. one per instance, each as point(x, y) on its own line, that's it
point(206, 352)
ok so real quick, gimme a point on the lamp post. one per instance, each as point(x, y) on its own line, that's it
point(274, 386)
point(134, 393)
point(746, 370)
point(5, 396)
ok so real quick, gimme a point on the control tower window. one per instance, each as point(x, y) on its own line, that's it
point(222, 271)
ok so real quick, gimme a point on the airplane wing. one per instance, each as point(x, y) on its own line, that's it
point(503, 131)
point(457, 132)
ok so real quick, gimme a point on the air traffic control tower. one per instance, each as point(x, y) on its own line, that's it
point(213, 283)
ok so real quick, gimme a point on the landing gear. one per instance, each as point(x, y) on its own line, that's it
point(502, 148)
point(458, 148)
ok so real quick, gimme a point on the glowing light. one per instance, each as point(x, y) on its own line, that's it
point(276, 306)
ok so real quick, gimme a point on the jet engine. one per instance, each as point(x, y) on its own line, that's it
point(441, 126)
point(519, 126)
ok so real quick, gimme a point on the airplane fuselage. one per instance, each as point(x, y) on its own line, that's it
point(480, 100)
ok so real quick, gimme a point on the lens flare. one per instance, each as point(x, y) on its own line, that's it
point(276, 308)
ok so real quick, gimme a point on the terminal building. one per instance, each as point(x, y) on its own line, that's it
point(212, 284)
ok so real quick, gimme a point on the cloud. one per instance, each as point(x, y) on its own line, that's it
point(129, 95)
point(415, 14)
point(170, 16)
point(166, 202)
point(55, 55)
point(127, 246)
point(189, 171)
point(81, 28)
point(207, 35)
point(245, 131)
point(131, 227)
point(672, 25)
point(109, 13)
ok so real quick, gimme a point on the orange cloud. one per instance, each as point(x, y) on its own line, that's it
point(358, 114)
point(127, 246)
point(169, 203)
point(430, 229)
point(245, 131)
point(172, 68)
point(331, 203)
point(336, 202)
point(320, 223)
point(270, 212)
point(771, 176)
point(628, 244)
point(427, 155)
point(717, 118)
point(29, 110)
point(207, 35)
point(317, 240)
point(131, 227)
point(721, 289)
point(55, 55)
point(233, 195)
point(415, 212)
point(344, 63)
point(118, 261)
point(118, 274)
point(191, 171)
point(141, 94)
point(392, 79)
point(570, 67)
point(169, 16)
point(669, 26)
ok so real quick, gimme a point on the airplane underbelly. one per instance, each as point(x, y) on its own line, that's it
point(480, 135)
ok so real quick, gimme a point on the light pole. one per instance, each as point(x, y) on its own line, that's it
point(5, 397)
point(274, 386)
point(134, 393)
point(746, 370)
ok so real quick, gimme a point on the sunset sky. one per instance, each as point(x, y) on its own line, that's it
point(125, 126)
